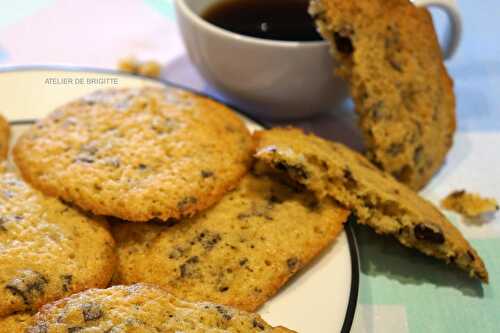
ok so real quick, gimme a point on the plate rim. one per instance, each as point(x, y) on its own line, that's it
point(351, 238)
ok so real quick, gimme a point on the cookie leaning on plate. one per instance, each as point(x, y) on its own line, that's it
point(332, 170)
point(143, 308)
point(239, 252)
point(389, 53)
point(137, 154)
point(47, 249)
point(15, 323)
point(4, 137)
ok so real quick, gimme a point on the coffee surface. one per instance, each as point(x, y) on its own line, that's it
point(286, 20)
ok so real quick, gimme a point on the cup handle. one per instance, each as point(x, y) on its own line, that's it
point(454, 33)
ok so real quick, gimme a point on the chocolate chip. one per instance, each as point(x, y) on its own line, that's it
point(257, 324)
point(66, 279)
point(188, 268)
point(210, 240)
point(186, 202)
point(457, 194)
point(91, 311)
point(471, 255)
point(343, 43)
point(243, 216)
point(429, 232)
point(257, 211)
point(113, 161)
point(142, 166)
point(206, 173)
point(418, 155)
point(393, 40)
point(273, 199)
point(312, 204)
point(90, 149)
point(375, 111)
point(396, 65)
point(87, 153)
point(176, 253)
point(29, 286)
point(74, 329)
point(39, 328)
point(2, 222)
point(349, 179)
point(224, 312)
point(243, 261)
point(395, 149)
point(282, 166)
point(85, 159)
point(409, 97)
point(393, 48)
point(295, 171)
point(71, 121)
point(223, 289)
point(404, 174)
point(8, 194)
point(271, 149)
point(318, 14)
point(292, 263)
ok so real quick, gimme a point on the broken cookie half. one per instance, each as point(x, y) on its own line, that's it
point(388, 52)
point(330, 169)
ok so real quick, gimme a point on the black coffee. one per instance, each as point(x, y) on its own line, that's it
point(285, 20)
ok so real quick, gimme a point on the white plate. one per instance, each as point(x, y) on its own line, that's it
point(321, 299)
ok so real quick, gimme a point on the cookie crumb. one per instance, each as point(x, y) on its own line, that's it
point(148, 68)
point(128, 65)
point(469, 204)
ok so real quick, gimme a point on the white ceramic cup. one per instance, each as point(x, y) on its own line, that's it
point(274, 79)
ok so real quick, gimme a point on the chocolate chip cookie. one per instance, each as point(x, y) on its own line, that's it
point(4, 137)
point(388, 52)
point(143, 308)
point(332, 170)
point(137, 154)
point(15, 323)
point(239, 252)
point(47, 249)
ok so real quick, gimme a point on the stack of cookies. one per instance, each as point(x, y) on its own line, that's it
point(154, 186)
point(156, 210)
point(149, 190)
point(166, 199)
